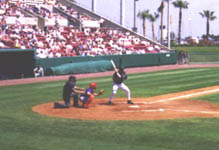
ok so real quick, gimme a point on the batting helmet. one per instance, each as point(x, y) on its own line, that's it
point(93, 85)
point(121, 69)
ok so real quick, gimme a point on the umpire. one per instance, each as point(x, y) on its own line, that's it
point(70, 89)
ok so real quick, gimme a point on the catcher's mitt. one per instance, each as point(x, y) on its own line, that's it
point(101, 92)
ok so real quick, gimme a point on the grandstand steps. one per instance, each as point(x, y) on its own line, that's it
point(73, 21)
point(108, 23)
point(41, 20)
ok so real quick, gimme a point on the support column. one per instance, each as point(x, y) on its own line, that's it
point(93, 7)
point(122, 12)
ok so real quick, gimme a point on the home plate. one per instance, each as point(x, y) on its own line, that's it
point(146, 110)
point(134, 106)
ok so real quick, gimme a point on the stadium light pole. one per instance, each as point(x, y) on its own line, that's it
point(168, 24)
point(122, 12)
point(93, 5)
point(134, 26)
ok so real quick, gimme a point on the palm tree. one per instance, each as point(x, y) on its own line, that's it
point(181, 5)
point(209, 15)
point(153, 18)
point(161, 11)
point(144, 15)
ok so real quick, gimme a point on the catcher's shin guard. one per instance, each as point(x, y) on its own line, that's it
point(91, 98)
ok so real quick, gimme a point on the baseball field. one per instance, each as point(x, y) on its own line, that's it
point(175, 109)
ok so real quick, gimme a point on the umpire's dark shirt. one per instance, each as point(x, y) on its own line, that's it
point(68, 89)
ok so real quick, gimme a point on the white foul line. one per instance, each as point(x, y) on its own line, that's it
point(161, 110)
point(184, 96)
point(175, 98)
point(193, 111)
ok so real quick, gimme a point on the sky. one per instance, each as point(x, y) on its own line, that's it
point(192, 25)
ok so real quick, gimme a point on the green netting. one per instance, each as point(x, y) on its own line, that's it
point(81, 67)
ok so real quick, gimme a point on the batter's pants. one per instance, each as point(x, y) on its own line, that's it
point(121, 86)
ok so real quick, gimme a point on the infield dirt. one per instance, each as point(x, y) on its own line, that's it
point(170, 106)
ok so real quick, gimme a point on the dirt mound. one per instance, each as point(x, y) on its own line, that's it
point(170, 106)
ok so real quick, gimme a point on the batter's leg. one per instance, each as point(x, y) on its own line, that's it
point(127, 90)
point(114, 91)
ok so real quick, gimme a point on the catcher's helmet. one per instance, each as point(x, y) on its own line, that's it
point(93, 85)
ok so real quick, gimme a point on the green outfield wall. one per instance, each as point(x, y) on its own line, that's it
point(19, 63)
point(127, 61)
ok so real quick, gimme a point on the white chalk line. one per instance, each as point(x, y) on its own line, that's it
point(185, 96)
point(134, 102)
point(134, 106)
point(151, 110)
point(176, 98)
point(162, 110)
point(171, 99)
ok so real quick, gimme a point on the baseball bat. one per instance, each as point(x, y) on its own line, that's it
point(114, 66)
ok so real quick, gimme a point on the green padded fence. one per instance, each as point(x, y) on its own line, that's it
point(138, 60)
point(81, 67)
point(26, 61)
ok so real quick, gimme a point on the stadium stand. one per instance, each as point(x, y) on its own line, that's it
point(59, 38)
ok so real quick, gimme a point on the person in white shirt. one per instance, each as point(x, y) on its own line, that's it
point(38, 71)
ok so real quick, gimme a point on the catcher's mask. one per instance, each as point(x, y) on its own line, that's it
point(93, 85)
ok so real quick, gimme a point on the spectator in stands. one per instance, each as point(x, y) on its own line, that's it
point(38, 71)
point(65, 40)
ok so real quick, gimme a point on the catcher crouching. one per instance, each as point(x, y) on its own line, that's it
point(88, 96)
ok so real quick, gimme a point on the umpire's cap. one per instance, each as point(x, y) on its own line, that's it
point(72, 78)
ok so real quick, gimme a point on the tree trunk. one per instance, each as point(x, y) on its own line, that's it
point(161, 29)
point(208, 27)
point(153, 36)
point(180, 24)
point(144, 27)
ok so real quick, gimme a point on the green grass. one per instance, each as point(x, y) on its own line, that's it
point(198, 48)
point(22, 129)
point(213, 98)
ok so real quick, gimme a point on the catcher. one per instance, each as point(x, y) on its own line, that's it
point(87, 97)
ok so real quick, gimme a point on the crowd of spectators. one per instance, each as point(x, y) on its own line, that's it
point(72, 12)
point(62, 41)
